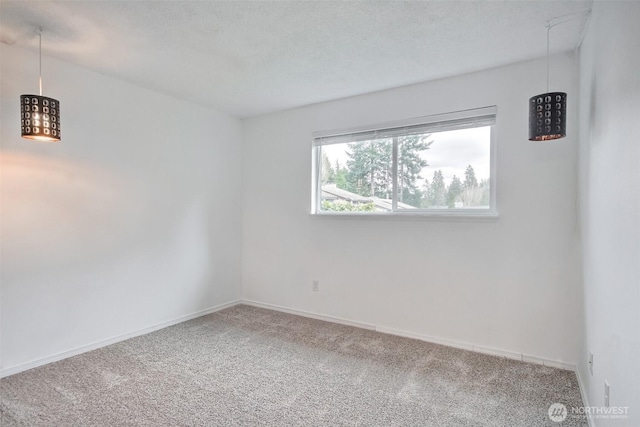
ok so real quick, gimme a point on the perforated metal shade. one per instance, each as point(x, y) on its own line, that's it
point(548, 116)
point(40, 118)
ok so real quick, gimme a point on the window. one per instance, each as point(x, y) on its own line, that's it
point(432, 165)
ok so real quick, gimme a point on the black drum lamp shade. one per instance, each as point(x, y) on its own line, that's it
point(40, 118)
point(548, 116)
point(40, 115)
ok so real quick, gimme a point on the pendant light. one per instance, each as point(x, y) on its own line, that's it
point(548, 111)
point(40, 115)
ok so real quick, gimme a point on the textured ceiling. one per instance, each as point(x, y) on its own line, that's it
point(248, 58)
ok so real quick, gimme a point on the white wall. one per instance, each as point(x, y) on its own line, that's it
point(132, 220)
point(610, 205)
point(511, 284)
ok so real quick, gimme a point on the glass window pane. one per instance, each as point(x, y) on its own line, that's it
point(440, 166)
point(445, 170)
point(356, 176)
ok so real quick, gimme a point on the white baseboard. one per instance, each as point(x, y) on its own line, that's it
point(434, 340)
point(585, 398)
point(309, 314)
point(422, 337)
point(5, 372)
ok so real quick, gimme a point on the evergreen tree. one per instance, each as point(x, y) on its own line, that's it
point(454, 191)
point(437, 190)
point(486, 192)
point(471, 192)
point(341, 176)
point(328, 173)
point(474, 194)
point(470, 180)
point(426, 191)
point(369, 168)
point(409, 166)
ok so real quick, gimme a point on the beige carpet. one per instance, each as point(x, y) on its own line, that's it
point(246, 366)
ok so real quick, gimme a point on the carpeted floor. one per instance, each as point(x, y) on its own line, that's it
point(246, 366)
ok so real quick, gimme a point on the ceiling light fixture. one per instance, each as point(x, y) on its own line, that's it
point(548, 112)
point(40, 115)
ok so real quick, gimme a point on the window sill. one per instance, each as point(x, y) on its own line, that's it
point(459, 216)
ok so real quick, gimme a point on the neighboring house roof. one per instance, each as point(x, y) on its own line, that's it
point(331, 192)
point(386, 204)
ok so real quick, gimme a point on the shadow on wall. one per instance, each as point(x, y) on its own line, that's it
point(58, 215)
point(56, 212)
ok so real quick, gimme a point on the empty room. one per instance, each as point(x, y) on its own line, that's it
point(320, 213)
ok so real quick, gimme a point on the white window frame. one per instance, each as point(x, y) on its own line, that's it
point(434, 123)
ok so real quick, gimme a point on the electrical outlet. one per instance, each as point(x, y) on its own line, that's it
point(316, 285)
point(591, 363)
point(607, 388)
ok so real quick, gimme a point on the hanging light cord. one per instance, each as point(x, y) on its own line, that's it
point(548, 30)
point(550, 25)
point(40, 50)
